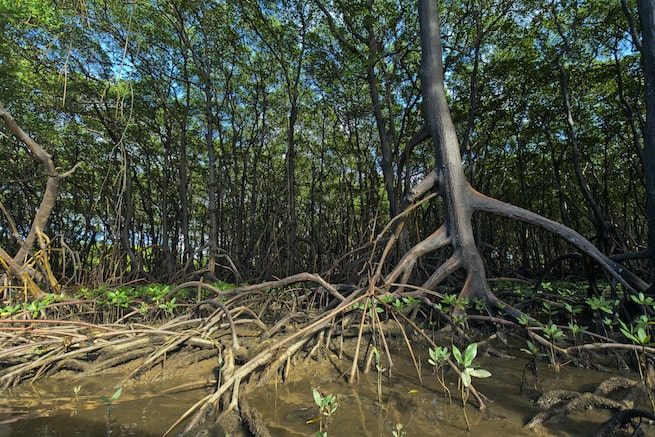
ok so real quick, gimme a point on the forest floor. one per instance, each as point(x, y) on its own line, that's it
point(284, 358)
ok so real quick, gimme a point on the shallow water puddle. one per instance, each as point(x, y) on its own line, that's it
point(423, 409)
point(52, 409)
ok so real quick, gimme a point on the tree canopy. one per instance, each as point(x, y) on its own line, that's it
point(243, 140)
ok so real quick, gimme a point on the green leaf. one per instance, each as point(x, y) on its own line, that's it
point(523, 320)
point(532, 349)
point(117, 394)
point(433, 356)
point(480, 373)
point(317, 397)
point(642, 336)
point(458, 355)
point(470, 353)
point(466, 376)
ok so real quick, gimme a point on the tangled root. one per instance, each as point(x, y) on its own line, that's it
point(559, 404)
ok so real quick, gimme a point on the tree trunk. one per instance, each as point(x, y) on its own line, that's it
point(647, 18)
point(602, 226)
point(452, 184)
point(291, 178)
point(16, 265)
point(371, 57)
point(51, 189)
point(385, 141)
point(182, 165)
point(460, 199)
point(204, 71)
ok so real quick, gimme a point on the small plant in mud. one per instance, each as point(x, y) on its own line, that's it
point(549, 309)
point(76, 392)
point(454, 302)
point(119, 298)
point(455, 307)
point(9, 310)
point(524, 320)
point(156, 292)
point(479, 305)
point(144, 308)
point(554, 333)
point(369, 308)
point(219, 371)
point(469, 370)
point(603, 307)
point(405, 302)
point(573, 325)
point(398, 430)
point(638, 333)
point(36, 307)
point(380, 369)
point(327, 405)
point(169, 306)
point(109, 402)
point(531, 368)
point(438, 357)
point(573, 310)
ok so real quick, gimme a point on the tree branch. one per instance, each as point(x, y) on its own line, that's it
point(480, 202)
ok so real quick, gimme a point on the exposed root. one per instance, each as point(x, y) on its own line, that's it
point(622, 419)
point(274, 333)
point(253, 419)
point(559, 404)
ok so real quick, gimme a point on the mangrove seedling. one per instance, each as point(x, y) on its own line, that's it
point(554, 333)
point(600, 305)
point(573, 311)
point(76, 390)
point(380, 369)
point(169, 306)
point(327, 405)
point(110, 401)
point(531, 367)
point(524, 320)
point(469, 369)
point(575, 331)
point(640, 337)
point(438, 357)
point(549, 310)
point(398, 431)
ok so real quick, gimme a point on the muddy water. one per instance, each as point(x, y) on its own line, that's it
point(50, 408)
point(147, 406)
point(423, 409)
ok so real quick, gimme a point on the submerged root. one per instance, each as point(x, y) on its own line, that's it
point(623, 419)
point(253, 419)
point(559, 404)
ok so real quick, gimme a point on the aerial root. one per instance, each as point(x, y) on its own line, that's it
point(87, 348)
point(253, 419)
point(559, 404)
point(623, 419)
point(38, 348)
point(271, 359)
point(405, 266)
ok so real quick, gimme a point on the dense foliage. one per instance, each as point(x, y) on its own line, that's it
point(274, 137)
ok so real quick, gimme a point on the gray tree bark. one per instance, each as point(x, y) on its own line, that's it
point(647, 19)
